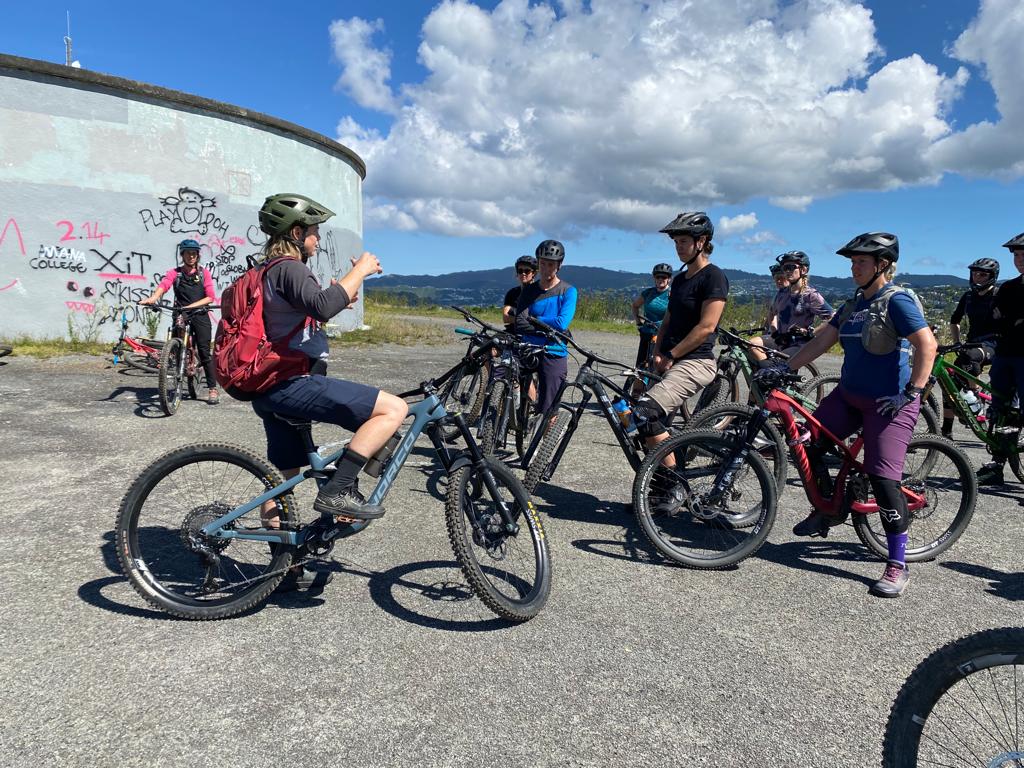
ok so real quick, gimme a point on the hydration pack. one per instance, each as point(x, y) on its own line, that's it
point(246, 362)
point(878, 334)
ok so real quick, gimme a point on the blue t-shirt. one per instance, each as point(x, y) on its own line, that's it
point(555, 306)
point(654, 306)
point(878, 375)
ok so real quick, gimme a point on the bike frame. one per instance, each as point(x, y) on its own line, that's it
point(136, 346)
point(426, 413)
point(783, 406)
point(947, 375)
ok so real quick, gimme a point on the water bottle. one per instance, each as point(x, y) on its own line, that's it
point(972, 400)
point(625, 414)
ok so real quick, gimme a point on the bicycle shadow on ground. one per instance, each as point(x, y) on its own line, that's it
point(630, 546)
point(428, 593)
point(817, 556)
point(389, 589)
point(566, 504)
point(1004, 584)
point(1006, 491)
point(147, 399)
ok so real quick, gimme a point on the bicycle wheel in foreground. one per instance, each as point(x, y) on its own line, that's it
point(509, 572)
point(940, 471)
point(166, 556)
point(684, 521)
point(168, 381)
point(962, 706)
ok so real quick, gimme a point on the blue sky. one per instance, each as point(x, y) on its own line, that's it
point(489, 126)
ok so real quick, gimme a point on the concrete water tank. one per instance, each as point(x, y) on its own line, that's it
point(100, 178)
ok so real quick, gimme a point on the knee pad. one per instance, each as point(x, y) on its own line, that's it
point(650, 417)
point(892, 504)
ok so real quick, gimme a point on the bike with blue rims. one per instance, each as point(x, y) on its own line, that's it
point(208, 531)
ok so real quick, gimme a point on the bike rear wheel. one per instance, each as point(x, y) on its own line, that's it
point(541, 467)
point(731, 420)
point(962, 706)
point(509, 572)
point(467, 394)
point(679, 518)
point(494, 422)
point(940, 471)
point(818, 387)
point(169, 382)
point(165, 555)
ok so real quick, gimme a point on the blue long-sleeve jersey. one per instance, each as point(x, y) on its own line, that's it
point(556, 307)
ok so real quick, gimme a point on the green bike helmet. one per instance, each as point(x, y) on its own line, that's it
point(282, 212)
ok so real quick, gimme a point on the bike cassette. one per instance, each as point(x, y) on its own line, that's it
point(192, 535)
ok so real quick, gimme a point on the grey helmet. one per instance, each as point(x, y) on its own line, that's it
point(1015, 243)
point(695, 224)
point(526, 261)
point(662, 269)
point(551, 250)
point(881, 245)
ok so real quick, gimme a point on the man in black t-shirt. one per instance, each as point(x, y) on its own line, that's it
point(687, 335)
point(526, 269)
point(976, 304)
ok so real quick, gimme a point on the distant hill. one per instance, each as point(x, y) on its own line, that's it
point(487, 287)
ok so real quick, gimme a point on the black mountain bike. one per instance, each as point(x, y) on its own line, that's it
point(466, 390)
point(962, 706)
point(510, 408)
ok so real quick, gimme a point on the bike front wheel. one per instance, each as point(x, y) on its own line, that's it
point(494, 422)
point(169, 381)
point(942, 474)
point(688, 519)
point(467, 393)
point(167, 558)
point(509, 571)
point(731, 420)
point(962, 706)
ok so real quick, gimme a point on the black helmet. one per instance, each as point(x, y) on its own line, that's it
point(551, 249)
point(881, 245)
point(282, 212)
point(662, 269)
point(1015, 243)
point(695, 224)
point(527, 261)
point(984, 265)
point(794, 257)
point(775, 268)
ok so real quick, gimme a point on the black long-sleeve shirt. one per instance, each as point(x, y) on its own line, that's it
point(1008, 311)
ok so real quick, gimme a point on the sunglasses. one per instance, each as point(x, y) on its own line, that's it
point(524, 271)
point(790, 267)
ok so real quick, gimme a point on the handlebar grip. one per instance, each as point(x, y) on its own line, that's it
point(465, 331)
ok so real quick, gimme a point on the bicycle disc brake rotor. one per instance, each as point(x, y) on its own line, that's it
point(192, 535)
point(488, 533)
point(931, 497)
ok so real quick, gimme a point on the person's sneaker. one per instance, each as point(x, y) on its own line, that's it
point(346, 503)
point(213, 397)
point(991, 474)
point(670, 501)
point(893, 581)
point(948, 434)
point(304, 578)
point(817, 524)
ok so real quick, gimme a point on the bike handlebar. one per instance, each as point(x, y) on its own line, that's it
point(947, 348)
point(476, 320)
point(555, 334)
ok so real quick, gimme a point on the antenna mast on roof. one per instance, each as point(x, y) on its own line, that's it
point(67, 42)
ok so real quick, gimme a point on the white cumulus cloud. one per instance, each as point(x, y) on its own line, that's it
point(621, 113)
point(734, 225)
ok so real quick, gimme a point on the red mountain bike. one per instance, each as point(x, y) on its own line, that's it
point(717, 504)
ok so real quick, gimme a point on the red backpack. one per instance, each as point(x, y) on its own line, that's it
point(246, 362)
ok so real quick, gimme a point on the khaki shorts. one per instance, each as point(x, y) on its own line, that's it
point(683, 380)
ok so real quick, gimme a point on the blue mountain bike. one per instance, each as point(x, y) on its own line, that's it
point(208, 531)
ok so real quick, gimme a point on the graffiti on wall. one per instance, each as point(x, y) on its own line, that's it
point(99, 276)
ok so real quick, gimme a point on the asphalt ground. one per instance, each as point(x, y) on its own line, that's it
point(785, 660)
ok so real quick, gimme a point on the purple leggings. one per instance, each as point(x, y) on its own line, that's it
point(885, 437)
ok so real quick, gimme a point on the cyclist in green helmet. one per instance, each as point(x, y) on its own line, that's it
point(294, 299)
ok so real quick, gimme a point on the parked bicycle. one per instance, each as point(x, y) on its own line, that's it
point(616, 404)
point(466, 391)
point(717, 505)
point(969, 395)
point(742, 363)
point(179, 359)
point(962, 706)
point(511, 404)
point(143, 354)
point(196, 541)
